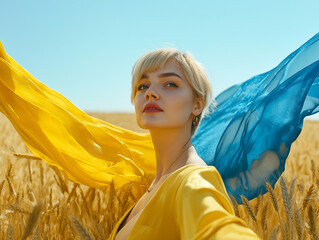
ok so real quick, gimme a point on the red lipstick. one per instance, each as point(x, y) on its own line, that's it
point(152, 107)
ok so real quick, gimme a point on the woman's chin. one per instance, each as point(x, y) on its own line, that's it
point(151, 125)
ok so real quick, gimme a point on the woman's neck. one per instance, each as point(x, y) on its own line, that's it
point(172, 150)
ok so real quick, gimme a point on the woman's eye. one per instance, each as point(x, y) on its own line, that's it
point(171, 84)
point(141, 87)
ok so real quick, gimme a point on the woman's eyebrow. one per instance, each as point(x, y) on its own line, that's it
point(168, 74)
point(162, 75)
point(144, 76)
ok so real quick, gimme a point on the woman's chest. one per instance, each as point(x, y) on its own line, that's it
point(156, 221)
point(128, 223)
point(153, 215)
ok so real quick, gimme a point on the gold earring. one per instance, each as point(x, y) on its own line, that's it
point(195, 120)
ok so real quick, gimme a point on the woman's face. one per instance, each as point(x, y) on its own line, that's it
point(164, 99)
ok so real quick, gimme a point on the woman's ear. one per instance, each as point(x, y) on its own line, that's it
point(198, 106)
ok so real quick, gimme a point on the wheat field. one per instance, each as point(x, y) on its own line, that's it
point(38, 202)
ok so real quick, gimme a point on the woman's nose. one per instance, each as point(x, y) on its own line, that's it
point(151, 93)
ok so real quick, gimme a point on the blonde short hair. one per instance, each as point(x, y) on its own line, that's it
point(193, 71)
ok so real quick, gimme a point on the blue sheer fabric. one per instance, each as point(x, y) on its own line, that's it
point(248, 137)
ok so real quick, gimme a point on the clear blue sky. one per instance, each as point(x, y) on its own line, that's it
point(86, 49)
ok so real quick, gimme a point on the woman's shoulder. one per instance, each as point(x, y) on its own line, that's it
point(197, 177)
point(200, 185)
point(194, 171)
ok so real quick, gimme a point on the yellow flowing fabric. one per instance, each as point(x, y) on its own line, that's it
point(192, 203)
point(88, 150)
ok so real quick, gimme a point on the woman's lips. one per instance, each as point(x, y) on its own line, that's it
point(152, 107)
point(149, 110)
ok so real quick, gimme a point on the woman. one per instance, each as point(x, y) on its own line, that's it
point(187, 199)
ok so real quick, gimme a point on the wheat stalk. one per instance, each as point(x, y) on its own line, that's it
point(50, 197)
point(308, 197)
point(84, 202)
point(263, 220)
point(98, 202)
point(9, 170)
point(313, 170)
point(285, 231)
point(88, 193)
point(259, 201)
point(287, 205)
point(32, 220)
point(41, 174)
point(111, 197)
point(312, 222)
point(10, 232)
point(17, 200)
point(29, 194)
point(300, 187)
point(30, 170)
point(100, 233)
point(19, 209)
point(36, 234)
point(58, 210)
point(285, 195)
point(272, 197)
point(81, 229)
point(274, 233)
point(235, 204)
point(91, 197)
point(298, 223)
point(73, 192)
point(27, 156)
point(125, 199)
point(1, 186)
point(22, 196)
point(10, 186)
point(292, 188)
point(249, 208)
point(60, 180)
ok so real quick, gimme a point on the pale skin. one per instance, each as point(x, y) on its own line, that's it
point(170, 128)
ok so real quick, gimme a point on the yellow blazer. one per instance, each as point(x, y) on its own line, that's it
point(192, 203)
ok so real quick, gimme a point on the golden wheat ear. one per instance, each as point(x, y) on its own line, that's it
point(285, 196)
point(235, 204)
point(309, 197)
point(312, 222)
point(298, 221)
point(263, 221)
point(249, 208)
point(32, 220)
point(272, 197)
point(10, 232)
point(82, 231)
